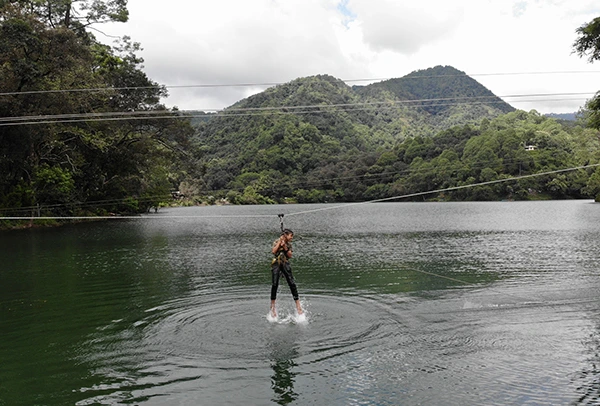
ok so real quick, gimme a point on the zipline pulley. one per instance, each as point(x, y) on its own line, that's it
point(281, 221)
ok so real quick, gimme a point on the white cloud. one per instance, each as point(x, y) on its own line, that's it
point(404, 27)
point(259, 41)
point(237, 42)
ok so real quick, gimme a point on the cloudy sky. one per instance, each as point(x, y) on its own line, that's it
point(518, 48)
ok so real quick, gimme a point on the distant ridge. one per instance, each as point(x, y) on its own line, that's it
point(420, 103)
point(563, 116)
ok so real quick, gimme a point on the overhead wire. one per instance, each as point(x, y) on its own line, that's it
point(164, 114)
point(262, 84)
point(491, 182)
point(154, 114)
point(232, 111)
point(284, 110)
point(114, 116)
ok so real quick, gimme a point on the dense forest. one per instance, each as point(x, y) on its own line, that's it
point(83, 131)
point(292, 160)
point(67, 153)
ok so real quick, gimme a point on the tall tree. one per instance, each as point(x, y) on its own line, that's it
point(45, 53)
point(588, 44)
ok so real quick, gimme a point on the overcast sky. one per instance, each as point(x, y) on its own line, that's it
point(227, 42)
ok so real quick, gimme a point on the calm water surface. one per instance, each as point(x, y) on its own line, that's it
point(407, 303)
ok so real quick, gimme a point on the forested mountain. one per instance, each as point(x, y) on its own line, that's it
point(317, 140)
point(315, 126)
point(421, 103)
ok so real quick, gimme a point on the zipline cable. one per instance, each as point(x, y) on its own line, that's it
point(525, 300)
point(491, 182)
point(293, 185)
point(516, 178)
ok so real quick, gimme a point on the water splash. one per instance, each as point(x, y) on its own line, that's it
point(291, 318)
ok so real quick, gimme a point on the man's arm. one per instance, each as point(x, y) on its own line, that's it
point(279, 244)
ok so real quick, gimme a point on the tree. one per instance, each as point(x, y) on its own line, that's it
point(588, 44)
point(72, 14)
point(44, 52)
point(34, 58)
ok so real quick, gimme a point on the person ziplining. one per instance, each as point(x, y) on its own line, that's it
point(280, 265)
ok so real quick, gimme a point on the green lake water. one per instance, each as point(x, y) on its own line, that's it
point(407, 303)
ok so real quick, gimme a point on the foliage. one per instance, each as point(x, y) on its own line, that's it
point(61, 166)
point(588, 44)
point(287, 157)
point(72, 14)
point(588, 41)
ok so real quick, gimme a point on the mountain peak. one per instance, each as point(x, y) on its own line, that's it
point(439, 89)
point(304, 91)
point(433, 99)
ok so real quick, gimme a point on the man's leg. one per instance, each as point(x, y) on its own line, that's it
point(272, 309)
point(289, 277)
point(299, 307)
point(274, 286)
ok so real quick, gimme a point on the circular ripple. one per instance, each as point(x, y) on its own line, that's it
point(234, 327)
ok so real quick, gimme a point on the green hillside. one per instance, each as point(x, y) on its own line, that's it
point(317, 128)
point(316, 139)
point(285, 159)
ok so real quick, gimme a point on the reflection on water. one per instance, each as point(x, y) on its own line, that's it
point(461, 303)
point(283, 355)
point(282, 381)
